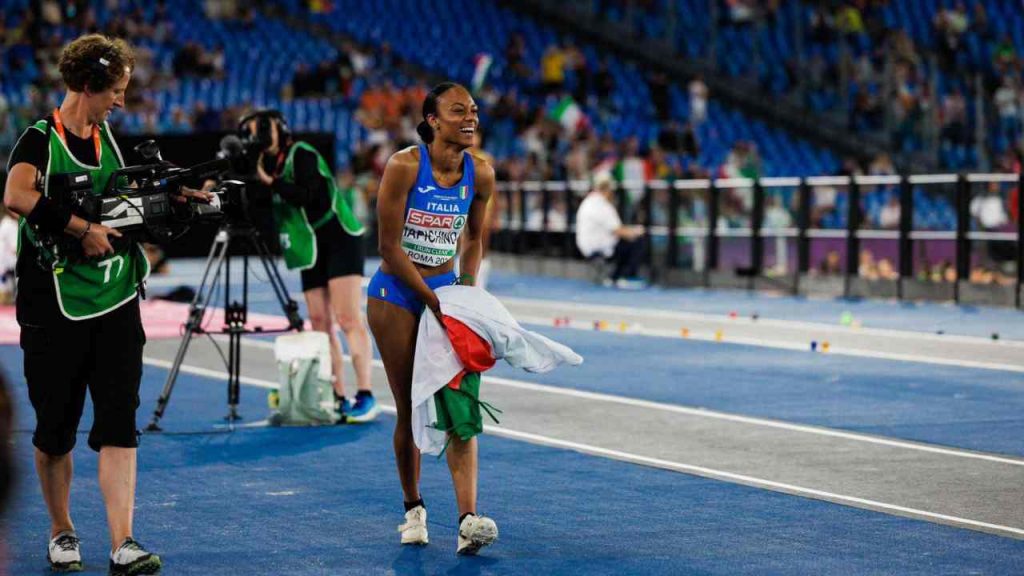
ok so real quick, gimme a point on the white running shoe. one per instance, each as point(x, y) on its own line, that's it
point(131, 559)
point(475, 532)
point(414, 531)
point(63, 553)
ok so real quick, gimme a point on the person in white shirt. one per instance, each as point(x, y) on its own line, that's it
point(989, 209)
point(989, 212)
point(698, 100)
point(600, 232)
point(889, 217)
point(8, 255)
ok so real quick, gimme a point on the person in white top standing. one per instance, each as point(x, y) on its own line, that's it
point(698, 100)
point(600, 233)
point(8, 254)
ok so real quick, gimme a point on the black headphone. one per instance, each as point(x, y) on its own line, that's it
point(100, 66)
point(263, 120)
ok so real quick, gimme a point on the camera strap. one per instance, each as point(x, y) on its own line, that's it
point(60, 132)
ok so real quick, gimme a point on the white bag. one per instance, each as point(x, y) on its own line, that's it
point(305, 393)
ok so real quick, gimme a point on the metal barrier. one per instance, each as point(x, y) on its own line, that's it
point(704, 224)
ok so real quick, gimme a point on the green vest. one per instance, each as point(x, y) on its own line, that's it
point(297, 234)
point(90, 288)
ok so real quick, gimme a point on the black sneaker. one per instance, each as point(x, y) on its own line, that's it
point(63, 552)
point(131, 559)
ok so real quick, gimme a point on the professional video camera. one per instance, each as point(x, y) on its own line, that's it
point(244, 149)
point(145, 203)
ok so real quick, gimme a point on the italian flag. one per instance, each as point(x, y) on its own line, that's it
point(569, 114)
point(481, 65)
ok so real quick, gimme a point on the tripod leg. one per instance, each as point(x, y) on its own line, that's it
point(289, 306)
point(197, 310)
point(235, 376)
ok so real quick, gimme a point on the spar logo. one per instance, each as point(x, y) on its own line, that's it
point(431, 220)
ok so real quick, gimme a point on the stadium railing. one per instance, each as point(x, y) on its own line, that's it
point(824, 232)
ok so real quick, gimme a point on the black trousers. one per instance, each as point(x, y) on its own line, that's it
point(628, 256)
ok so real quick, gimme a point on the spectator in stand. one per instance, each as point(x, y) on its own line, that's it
point(577, 160)
point(633, 170)
point(821, 27)
point(344, 70)
point(953, 118)
point(867, 268)
point(384, 60)
point(600, 234)
point(830, 265)
point(988, 209)
point(849, 20)
point(775, 215)
point(515, 58)
point(741, 12)
point(1014, 203)
point(179, 122)
point(823, 204)
point(576, 63)
point(1007, 104)
point(903, 48)
point(552, 69)
point(882, 166)
point(950, 26)
point(989, 213)
point(661, 166)
point(698, 100)
point(1004, 55)
point(889, 216)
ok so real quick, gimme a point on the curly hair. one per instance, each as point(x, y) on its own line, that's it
point(95, 62)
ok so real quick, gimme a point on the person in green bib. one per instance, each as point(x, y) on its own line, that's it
point(321, 236)
point(79, 317)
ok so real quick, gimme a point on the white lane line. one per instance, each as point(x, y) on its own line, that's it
point(711, 414)
point(560, 307)
point(678, 466)
point(651, 405)
point(755, 482)
point(801, 346)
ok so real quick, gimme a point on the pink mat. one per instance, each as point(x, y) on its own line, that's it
point(161, 319)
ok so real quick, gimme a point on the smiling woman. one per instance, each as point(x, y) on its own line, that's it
point(79, 317)
point(429, 195)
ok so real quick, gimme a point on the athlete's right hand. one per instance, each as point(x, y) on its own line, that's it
point(96, 242)
point(435, 308)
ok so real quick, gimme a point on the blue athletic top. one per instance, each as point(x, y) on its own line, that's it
point(435, 215)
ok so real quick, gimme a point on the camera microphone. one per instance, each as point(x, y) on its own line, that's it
point(230, 147)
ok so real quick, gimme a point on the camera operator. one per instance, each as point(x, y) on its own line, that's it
point(80, 324)
point(321, 236)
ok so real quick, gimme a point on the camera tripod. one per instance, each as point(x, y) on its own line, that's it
point(235, 313)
